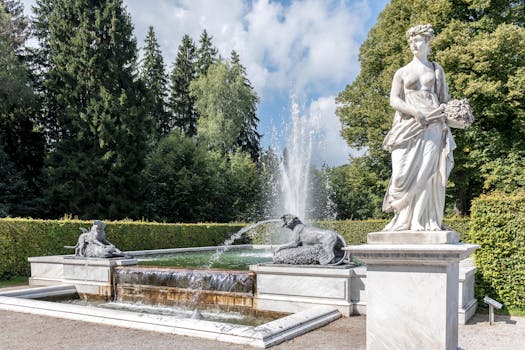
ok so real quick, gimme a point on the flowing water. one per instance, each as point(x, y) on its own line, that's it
point(200, 284)
point(247, 318)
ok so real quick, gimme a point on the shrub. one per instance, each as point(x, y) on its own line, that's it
point(498, 226)
point(354, 231)
point(23, 238)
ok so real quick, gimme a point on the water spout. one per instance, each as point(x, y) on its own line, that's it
point(199, 286)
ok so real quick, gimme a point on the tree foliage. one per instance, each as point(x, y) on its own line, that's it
point(207, 54)
point(153, 74)
point(188, 183)
point(480, 46)
point(181, 102)
point(115, 144)
point(95, 102)
point(224, 103)
point(21, 143)
point(15, 28)
point(249, 138)
point(357, 190)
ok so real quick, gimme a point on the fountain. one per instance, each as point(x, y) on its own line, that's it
point(311, 296)
point(195, 288)
point(294, 167)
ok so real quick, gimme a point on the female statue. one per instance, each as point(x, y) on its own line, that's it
point(420, 141)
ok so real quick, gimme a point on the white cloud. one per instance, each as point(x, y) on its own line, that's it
point(307, 45)
point(304, 48)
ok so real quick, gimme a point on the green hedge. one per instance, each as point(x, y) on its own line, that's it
point(354, 232)
point(22, 238)
point(498, 225)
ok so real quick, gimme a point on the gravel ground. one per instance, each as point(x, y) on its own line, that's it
point(22, 331)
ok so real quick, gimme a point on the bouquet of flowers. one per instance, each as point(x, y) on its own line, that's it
point(458, 114)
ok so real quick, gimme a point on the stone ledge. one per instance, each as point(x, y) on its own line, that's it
point(408, 254)
point(263, 336)
point(73, 260)
point(413, 237)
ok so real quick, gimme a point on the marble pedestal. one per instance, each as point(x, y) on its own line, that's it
point(412, 289)
point(90, 276)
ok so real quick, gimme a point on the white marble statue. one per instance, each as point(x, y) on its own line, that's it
point(420, 140)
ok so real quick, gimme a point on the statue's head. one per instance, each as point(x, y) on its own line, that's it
point(419, 38)
point(99, 225)
point(424, 30)
point(290, 221)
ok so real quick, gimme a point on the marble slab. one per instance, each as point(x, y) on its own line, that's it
point(263, 336)
point(413, 237)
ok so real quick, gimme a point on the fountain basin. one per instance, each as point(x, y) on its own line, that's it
point(284, 288)
point(234, 258)
point(263, 336)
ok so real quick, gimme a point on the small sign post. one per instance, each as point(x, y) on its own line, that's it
point(492, 304)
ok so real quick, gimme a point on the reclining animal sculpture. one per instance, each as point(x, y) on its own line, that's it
point(309, 245)
point(93, 243)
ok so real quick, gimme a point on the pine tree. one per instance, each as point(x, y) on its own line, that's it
point(249, 138)
point(95, 100)
point(153, 74)
point(207, 53)
point(181, 103)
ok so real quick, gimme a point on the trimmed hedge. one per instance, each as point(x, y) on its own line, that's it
point(22, 238)
point(498, 226)
point(354, 232)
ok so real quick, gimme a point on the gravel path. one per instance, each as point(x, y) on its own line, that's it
point(22, 331)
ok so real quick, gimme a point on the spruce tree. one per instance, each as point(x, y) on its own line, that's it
point(249, 138)
point(40, 59)
point(207, 53)
point(181, 103)
point(153, 74)
point(95, 100)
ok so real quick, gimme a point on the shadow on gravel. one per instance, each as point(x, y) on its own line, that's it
point(484, 318)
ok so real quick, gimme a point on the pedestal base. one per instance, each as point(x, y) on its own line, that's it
point(91, 276)
point(412, 292)
point(413, 237)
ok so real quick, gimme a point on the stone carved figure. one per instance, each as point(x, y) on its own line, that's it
point(309, 245)
point(420, 140)
point(93, 243)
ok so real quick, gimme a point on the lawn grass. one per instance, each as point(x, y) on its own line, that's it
point(14, 281)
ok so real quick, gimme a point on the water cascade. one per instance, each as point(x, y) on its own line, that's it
point(194, 288)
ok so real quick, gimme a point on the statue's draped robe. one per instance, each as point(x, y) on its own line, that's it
point(421, 163)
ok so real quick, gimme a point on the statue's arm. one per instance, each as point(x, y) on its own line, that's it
point(397, 102)
point(442, 86)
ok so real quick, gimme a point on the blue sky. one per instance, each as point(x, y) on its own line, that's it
point(306, 49)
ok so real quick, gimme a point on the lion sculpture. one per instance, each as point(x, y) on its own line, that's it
point(93, 243)
point(309, 245)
